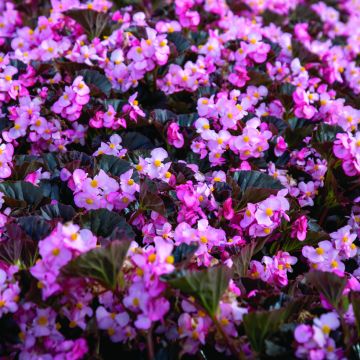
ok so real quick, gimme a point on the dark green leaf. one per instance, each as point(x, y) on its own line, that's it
point(71, 158)
point(95, 24)
point(136, 141)
point(96, 79)
point(299, 129)
point(149, 198)
point(280, 124)
point(326, 133)
point(179, 40)
point(259, 325)
point(162, 116)
point(256, 180)
point(184, 252)
point(187, 120)
point(22, 191)
point(113, 165)
point(100, 264)
point(328, 284)
point(270, 17)
point(35, 226)
point(117, 104)
point(287, 89)
point(103, 222)
point(258, 78)
point(242, 259)
point(20, 171)
point(17, 246)
point(57, 211)
point(50, 189)
point(207, 285)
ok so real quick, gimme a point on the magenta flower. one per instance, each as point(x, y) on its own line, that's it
point(299, 228)
point(175, 137)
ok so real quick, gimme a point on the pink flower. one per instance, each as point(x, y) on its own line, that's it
point(156, 167)
point(280, 146)
point(267, 210)
point(299, 228)
point(303, 333)
point(76, 239)
point(327, 322)
point(228, 211)
point(175, 137)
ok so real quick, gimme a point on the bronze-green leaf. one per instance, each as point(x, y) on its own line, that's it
point(207, 285)
point(101, 264)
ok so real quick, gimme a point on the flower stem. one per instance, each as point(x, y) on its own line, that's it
point(150, 345)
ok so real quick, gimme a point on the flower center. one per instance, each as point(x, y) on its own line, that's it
point(42, 321)
point(269, 212)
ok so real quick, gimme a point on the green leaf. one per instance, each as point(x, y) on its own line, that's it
point(326, 133)
point(199, 37)
point(180, 41)
point(256, 180)
point(50, 162)
point(270, 17)
point(117, 104)
point(162, 116)
point(280, 124)
point(285, 96)
point(328, 284)
point(149, 198)
point(296, 123)
point(287, 89)
point(74, 159)
point(113, 165)
point(100, 264)
point(184, 252)
point(22, 191)
point(57, 211)
point(258, 78)
point(97, 80)
point(242, 260)
point(50, 189)
point(207, 285)
point(134, 140)
point(103, 222)
point(95, 24)
point(35, 226)
point(20, 171)
point(298, 130)
point(122, 3)
point(259, 325)
point(187, 120)
point(17, 246)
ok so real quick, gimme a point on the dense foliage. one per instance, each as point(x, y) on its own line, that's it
point(179, 179)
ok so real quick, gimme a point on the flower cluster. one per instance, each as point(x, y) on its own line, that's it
point(71, 102)
point(179, 179)
point(347, 148)
point(56, 250)
point(314, 341)
point(262, 218)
